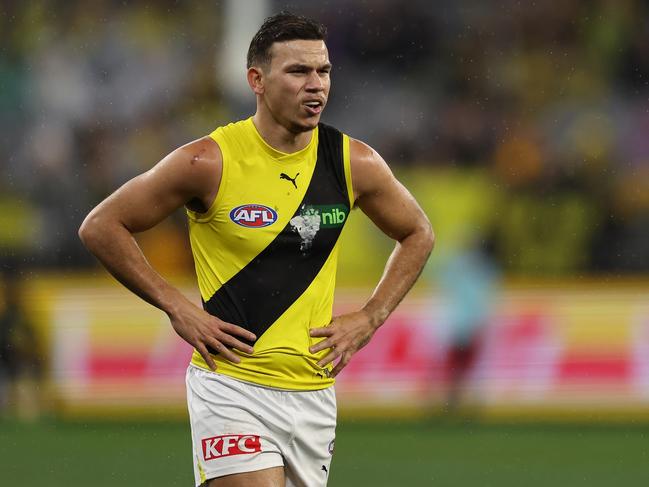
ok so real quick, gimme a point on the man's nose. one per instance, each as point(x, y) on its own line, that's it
point(315, 83)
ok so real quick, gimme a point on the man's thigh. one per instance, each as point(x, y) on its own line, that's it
point(236, 428)
point(251, 434)
point(269, 477)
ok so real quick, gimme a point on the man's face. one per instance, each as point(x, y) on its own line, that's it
point(296, 83)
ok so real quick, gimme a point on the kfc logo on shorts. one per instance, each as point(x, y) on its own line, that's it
point(223, 446)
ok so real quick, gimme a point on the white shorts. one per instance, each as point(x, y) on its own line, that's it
point(242, 427)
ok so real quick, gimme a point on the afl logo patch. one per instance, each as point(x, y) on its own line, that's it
point(253, 216)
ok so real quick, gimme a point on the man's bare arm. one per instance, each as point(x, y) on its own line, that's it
point(392, 209)
point(189, 175)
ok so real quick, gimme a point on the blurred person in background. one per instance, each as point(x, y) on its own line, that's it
point(467, 281)
point(267, 198)
point(20, 354)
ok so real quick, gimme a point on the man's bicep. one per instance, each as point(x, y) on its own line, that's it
point(392, 209)
point(381, 196)
point(188, 173)
point(143, 202)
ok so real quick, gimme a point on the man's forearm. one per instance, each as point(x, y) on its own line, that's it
point(120, 254)
point(401, 271)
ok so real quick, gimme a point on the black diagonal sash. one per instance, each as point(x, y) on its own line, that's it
point(269, 284)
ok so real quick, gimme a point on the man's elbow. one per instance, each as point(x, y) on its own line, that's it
point(421, 236)
point(428, 236)
point(90, 231)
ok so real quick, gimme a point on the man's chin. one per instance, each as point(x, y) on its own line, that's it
point(306, 125)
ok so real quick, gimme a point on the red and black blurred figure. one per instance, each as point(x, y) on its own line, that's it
point(468, 282)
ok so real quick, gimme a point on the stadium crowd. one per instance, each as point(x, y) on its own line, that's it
point(543, 108)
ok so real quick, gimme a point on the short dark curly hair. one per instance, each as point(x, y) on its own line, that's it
point(281, 27)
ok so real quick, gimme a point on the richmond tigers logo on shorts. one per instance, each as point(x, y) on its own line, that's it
point(227, 445)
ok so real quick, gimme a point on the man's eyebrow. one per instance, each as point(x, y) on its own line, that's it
point(306, 66)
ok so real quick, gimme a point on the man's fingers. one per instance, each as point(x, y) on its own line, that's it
point(206, 356)
point(340, 365)
point(231, 329)
point(234, 343)
point(327, 331)
point(321, 346)
point(230, 355)
point(330, 357)
point(223, 351)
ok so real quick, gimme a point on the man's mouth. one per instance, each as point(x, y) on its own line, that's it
point(313, 107)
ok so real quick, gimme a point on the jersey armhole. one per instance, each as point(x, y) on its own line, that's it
point(348, 170)
point(212, 210)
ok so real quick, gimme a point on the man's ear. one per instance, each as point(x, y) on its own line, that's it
point(256, 80)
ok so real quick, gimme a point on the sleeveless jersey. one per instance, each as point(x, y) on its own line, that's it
point(266, 251)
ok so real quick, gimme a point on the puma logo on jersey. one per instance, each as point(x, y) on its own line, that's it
point(288, 178)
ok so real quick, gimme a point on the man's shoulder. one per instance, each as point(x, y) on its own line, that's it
point(203, 149)
point(231, 128)
point(358, 148)
point(361, 152)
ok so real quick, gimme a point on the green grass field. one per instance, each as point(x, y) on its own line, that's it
point(386, 453)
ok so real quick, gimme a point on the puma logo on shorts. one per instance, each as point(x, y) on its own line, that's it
point(223, 446)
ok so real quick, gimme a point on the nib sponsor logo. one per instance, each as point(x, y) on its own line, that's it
point(223, 446)
point(330, 215)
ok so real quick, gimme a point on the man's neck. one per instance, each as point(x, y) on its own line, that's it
point(278, 136)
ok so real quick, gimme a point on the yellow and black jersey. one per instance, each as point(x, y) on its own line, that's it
point(266, 250)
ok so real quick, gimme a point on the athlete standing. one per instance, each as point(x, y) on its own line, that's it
point(266, 199)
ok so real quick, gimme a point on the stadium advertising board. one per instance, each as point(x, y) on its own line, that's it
point(565, 349)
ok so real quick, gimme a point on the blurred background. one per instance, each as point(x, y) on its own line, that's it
point(521, 128)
